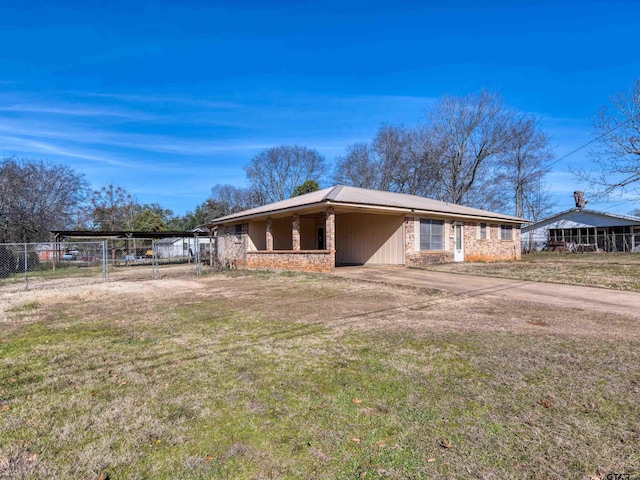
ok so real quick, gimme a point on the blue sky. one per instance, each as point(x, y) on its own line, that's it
point(168, 99)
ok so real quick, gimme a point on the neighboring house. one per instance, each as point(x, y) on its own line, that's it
point(180, 247)
point(355, 226)
point(579, 229)
point(45, 251)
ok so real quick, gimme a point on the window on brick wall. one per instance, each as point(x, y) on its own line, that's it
point(431, 234)
point(482, 233)
point(506, 232)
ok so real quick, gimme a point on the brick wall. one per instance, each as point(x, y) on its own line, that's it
point(321, 261)
point(491, 249)
point(414, 258)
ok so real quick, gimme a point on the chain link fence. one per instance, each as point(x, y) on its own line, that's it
point(30, 262)
point(119, 259)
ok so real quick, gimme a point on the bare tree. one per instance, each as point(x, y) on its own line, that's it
point(537, 204)
point(377, 165)
point(113, 208)
point(274, 173)
point(233, 199)
point(36, 197)
point(618, 154)
point(467, 150)
point(525, 160)
point(390, 146)
point(472, 131)
point(399, 159)
point(358, 167)
point(420, 171)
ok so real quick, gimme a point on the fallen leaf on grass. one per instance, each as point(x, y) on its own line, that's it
point(356, 440)
point(356, 400)
point(208, 458)
point(431, 460)
point(124, 382)
point(5, 408)
point(380, 444)
point(33, 457)
point(545, 403)
point(446, 444)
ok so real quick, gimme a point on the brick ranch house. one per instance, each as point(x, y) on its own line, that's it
point(355, 226)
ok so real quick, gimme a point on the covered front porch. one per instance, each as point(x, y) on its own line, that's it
point(304, 242)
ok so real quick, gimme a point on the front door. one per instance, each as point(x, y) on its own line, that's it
point(458, 255)
point(321, 240)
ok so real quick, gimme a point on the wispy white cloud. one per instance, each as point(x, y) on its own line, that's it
point(20, 146)
point(163, 99)
point(80, 111)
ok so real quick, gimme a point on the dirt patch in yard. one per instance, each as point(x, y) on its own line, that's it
point(339, 303)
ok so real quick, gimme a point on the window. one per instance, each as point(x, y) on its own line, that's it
point(483, 231)
point(505, 232)
point(431, 237)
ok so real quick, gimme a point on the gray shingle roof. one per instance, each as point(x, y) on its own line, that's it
point(363, 197)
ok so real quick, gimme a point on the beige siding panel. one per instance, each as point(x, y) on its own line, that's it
point(307, 233)
point(368, 238)
point(257, 236)
point(281, 229)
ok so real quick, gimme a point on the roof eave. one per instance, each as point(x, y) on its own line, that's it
point(232, 218)
point(438, 213)
point(368, 206)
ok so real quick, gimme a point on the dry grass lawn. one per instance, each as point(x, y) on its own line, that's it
point(264, 375)
point(619, 271)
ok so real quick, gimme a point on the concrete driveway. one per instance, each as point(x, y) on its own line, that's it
point(568, 296)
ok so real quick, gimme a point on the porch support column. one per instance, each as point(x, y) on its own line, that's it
point(269, 236)
point(330, 230)
point(295, 233)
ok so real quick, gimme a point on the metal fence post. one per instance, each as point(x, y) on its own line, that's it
point(105, 266)
point(155, 270)
point(26, 268)
point(197, 247)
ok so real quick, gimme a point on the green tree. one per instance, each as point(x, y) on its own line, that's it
point(147, 220)
point(152, 217)
point(307, 187)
